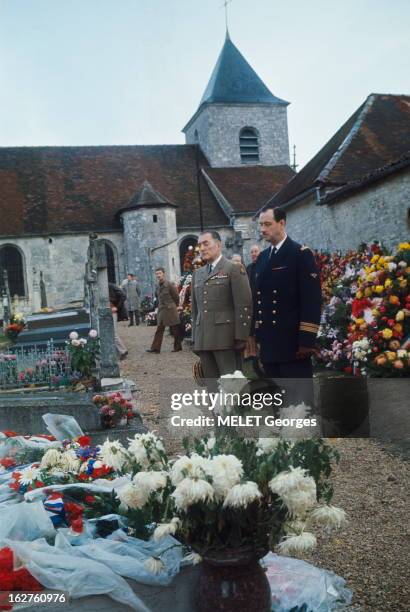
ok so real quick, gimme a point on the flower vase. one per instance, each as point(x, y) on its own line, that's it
point(233, 581)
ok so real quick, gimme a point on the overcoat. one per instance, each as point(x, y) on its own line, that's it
point(168, 300)
point(221, 306)
point(132, 291)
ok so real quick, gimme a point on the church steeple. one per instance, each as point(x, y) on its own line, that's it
point(239, 120)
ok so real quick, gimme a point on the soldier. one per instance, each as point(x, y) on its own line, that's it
point(287, 301)
point(221, 310)
point(168, 300)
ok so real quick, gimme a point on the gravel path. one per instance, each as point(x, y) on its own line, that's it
point(372, 485)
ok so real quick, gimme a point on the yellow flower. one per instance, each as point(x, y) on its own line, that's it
point(387, 333)
point(388, 283)
point(375, 312)
point(404, 246)
point(359, 321)
point(367, 292)
point(378, 289)
point(400, 315)
point(359, 295)
point(391, 355)
point(403, 282)
point(374, 258)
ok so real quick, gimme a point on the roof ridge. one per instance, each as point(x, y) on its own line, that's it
point(348, 139)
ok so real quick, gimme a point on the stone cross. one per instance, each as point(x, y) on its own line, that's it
point(90, 283)
point(109, 360)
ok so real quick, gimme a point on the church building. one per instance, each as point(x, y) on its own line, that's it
point(148, 203)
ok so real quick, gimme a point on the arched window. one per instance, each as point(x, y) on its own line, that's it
point(249, 145)
point(184, 246)
point(11, 259)
point(111, 264)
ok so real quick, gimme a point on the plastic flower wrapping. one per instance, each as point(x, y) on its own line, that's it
point(365, 326)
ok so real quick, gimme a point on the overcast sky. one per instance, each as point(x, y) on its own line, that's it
point(90, 72)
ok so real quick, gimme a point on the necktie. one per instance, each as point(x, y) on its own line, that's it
point(273, 251)
point(209, 268)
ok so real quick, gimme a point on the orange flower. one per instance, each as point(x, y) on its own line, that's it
point(380, 360)
point(393, 299)
point(398, 328)
point(398, 364)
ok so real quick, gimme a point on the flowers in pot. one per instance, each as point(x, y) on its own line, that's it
point(84, 352)
point(115, 409)
point(15, 326)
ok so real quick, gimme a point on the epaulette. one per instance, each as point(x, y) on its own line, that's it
point(304, 247)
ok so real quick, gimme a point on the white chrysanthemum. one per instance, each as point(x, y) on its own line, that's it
point(93, 333)
point(152, 481)
point(194, 466)
point(29, 475)
point(69, 461)
point(193, 558)
point(75, 342)
point(73, 335)
point(241, 495)
point(154, 565)
point(50, 459)
point(297, 544)
point(165, 529)
point(329, 517)
point(139, 453)
point(266, 446)
point(113, 454)
point(210, 443)
point(133, 497)
point(190, 491)
point(227, 471)
point(297, 491)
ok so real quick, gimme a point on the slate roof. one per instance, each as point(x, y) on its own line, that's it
point(374, 137)
point(147, 196)
point(52, 190)
point(234, 81)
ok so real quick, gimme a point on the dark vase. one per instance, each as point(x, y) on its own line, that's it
point(233, 582)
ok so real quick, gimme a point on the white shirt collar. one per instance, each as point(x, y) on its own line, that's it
point(217, 260)
point(279, 244)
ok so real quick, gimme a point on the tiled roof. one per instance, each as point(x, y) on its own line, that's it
point(247, 188)
point(51, 190)
point(376, 135)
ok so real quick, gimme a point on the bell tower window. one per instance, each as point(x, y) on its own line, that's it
point(249, 145)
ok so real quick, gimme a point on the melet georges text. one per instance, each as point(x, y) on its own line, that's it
point(229, 401)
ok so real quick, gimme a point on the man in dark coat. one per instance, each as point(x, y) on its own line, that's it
point(168, 315)
point(251, 268)
point(287, 301)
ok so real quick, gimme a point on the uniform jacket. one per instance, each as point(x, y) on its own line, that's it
point(168, 299)
point(287, 302)
point(132, 291)
point(221, 306)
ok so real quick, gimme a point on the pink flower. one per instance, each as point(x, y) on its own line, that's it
point(93, 333)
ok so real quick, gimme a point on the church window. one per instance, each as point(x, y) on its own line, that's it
point(155, 218)
point(249, 145)
point(11, 260)
point(111, 266)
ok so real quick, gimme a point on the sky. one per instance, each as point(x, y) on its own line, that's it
point(112, 72)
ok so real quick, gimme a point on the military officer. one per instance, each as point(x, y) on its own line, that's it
point(168, 315)
point(287, 301)
point(221, 310)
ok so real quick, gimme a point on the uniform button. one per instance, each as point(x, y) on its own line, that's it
point(205, 292)
point(274, 291)
point(240, 316)
point(258, 292)
point(227, 320)
point(259, 311)
point(259, 302)
point(260, 321)
point(205, 311)
point(245, 323)
point(249, 316)
point(205, 302)
point(246, 308)
point(273, 322)
point(273, 311)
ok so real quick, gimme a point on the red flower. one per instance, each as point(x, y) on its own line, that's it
point(84, 440)
point(89, 499)
point(10, 434)
point(6, 561)
point(77, 525)
point(73, 510)
point(348, 369)
point(7, 462)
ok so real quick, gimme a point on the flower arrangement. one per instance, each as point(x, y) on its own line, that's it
point(147, 305)
point(114, 408)
point(365, 326)
point(84, 352)
point(151, 318)
point(16, 325)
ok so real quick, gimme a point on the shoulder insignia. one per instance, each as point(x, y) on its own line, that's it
point(304, 247)
point(313, 274)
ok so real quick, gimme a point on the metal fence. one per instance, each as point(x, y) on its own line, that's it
point(36, 367)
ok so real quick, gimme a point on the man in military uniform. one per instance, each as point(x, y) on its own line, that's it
point(168, 315)
point(287, 301)
point(221, 310)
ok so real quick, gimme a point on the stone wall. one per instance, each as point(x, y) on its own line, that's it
point(61, 259)
point(380, 212)
point(218, 127)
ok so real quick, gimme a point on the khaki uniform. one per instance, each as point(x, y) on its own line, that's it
point(168, 299)
point(221, 314)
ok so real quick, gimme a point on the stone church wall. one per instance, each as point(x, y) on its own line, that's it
point(218, 128)
point(380, 212)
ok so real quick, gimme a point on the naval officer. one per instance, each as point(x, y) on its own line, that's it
point(221, 310)
point(287, 301)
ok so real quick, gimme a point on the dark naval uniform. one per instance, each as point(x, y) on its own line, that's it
point(221, 314)
point(286, 313)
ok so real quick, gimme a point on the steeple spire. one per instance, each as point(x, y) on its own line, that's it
point(225, 4)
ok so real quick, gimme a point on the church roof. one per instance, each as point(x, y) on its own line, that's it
point(55, 190)
point(234, 81)
point(147, 196)
point(375, 137)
